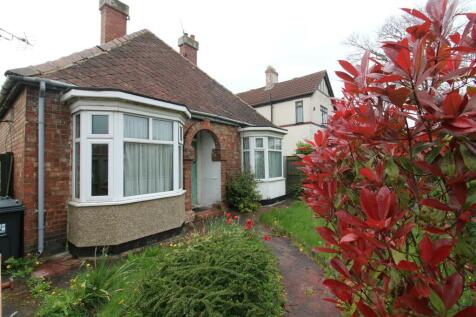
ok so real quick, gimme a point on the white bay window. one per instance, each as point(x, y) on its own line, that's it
point(262, 155)
point(121, 157)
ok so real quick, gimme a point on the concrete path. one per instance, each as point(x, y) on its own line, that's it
point(302, 280)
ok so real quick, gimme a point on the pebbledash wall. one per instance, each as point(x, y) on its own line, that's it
point(18, 134)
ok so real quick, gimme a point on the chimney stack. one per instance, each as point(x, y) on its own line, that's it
point(188, 47)
point(114, 16)
point(271, 77)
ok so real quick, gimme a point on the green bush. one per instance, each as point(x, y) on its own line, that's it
point(227, 272)
point(242, 193)
point(303, 148)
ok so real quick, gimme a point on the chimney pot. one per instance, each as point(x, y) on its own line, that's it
point(188, 47)
point(271, 77)
point(114, 16)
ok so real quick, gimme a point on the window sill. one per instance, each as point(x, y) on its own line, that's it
point(127, 200)
point(274, 179)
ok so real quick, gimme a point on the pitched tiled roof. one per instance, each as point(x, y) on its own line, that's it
point(300, 86)
point(143, 64)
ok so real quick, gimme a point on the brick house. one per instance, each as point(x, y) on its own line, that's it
point(116, 145)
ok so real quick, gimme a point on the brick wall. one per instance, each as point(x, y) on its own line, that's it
point(24, 143)
point(227, 150)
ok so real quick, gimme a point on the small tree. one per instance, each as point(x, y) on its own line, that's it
point(242, 192)
point(394, 175)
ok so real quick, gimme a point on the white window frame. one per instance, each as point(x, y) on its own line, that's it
point(324, 114)
point(299, 104)
point(115, 140)
point(265, 149)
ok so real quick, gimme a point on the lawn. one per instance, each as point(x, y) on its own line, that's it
point(297, 221)
point(224, 271)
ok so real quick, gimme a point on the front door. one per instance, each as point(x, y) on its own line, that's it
point(194, 176)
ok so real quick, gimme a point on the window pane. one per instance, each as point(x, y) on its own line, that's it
point(246, 161)
point(259, 164)
point(259, 142)
point(99, 169)
point(148, 168)
point(77, 128)
point(100, 124)
point(162, 130)
point(136, 127)
point(77, 156)
point(275, 164)
point(246, 143)
point(180, 151)
point(271, 143)
point(299, 112)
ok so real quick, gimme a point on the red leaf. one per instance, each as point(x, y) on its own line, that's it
point(417, 14)
point(349, 68)
point(452, 104)
point(441, 250)
point(337, 264)
point(455, 38)
point(344, 76)
point(467, 312)
point(344, 216)
point(389, 79)
point(403, 60)
point(452, 290)
point(434, 203)
point(327, 234)
point(398, 96)
point(366, 310)
point(349, 238)
point(407, 266)
point(429, 168)
point(369, 174)
point(339, 289)
point(319, 138)
point(368, 203)
point(426, 249)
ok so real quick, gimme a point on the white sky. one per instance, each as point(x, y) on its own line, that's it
point(238, 39)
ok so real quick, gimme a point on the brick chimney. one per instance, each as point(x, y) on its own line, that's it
point(114, 16)
point(271, 77)
point(188, 47)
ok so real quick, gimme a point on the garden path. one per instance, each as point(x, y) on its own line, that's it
point(302, 280)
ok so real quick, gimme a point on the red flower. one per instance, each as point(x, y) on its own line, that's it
point(228, 215)
point(266, 237)
point(249, 224)
point(229, 220)
point(235, 217)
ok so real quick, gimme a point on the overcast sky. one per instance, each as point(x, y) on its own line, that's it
point(238, 39)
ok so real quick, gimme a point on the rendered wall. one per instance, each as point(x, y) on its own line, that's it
point(113, 225)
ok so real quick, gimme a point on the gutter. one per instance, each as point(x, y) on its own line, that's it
point(217, 118)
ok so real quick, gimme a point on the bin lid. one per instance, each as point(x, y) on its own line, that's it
point(8, 204)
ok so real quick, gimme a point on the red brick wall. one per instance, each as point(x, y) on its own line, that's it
point(57, 165)
point(113, 24)
point(227, 147)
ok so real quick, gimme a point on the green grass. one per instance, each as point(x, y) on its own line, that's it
point(298, 223)
point(222, 271)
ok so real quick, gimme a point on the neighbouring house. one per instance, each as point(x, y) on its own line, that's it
point(117, 144)
point(300, 105)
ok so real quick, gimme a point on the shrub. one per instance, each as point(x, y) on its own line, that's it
point(88, 291)
point(242, 193)
point(227, 272)
point(303, 148)
point(21, 267)
point(392, 174)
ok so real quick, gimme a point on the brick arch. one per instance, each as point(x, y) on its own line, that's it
point(192, 131)
point(189, 155)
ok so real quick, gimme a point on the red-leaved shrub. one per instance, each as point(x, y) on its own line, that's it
point(394, 174)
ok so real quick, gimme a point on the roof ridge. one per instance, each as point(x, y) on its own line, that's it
point(210, 77)
point(282, 82)
point(72, 59)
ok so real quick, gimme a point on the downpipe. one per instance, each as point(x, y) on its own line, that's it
point(41, 167)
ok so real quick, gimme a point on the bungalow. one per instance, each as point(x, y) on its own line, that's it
point(116, 145)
